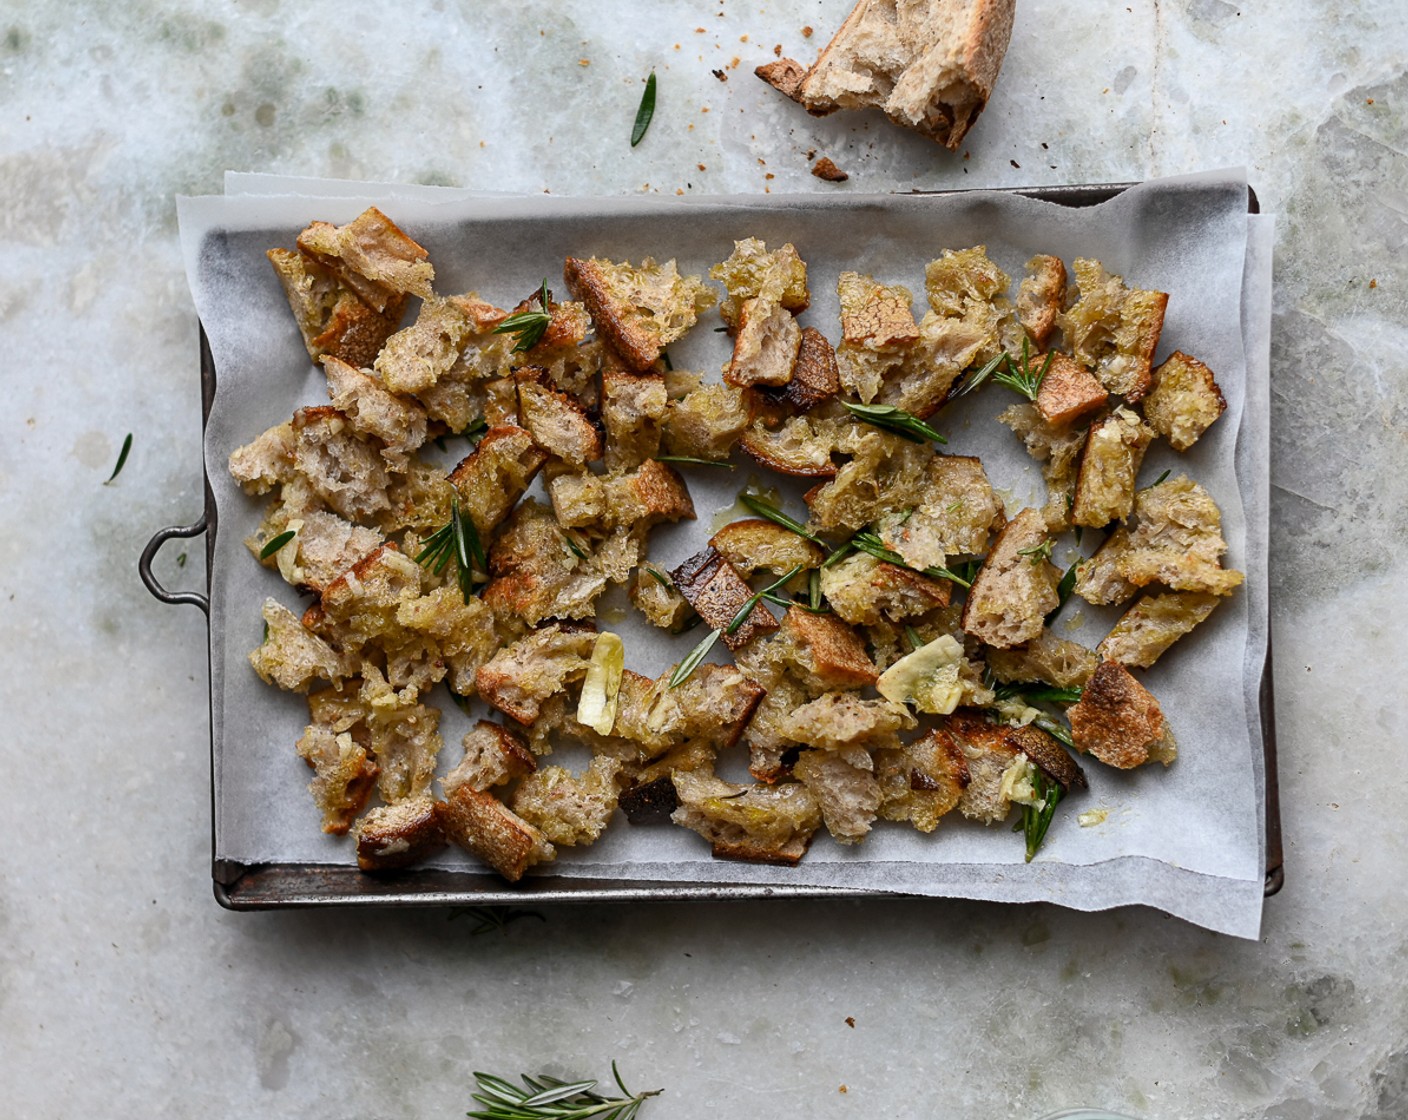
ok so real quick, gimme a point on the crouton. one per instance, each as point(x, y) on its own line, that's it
point(828, 652)
point(633, 413)
point(292, 657)
point(344, 469)
point(706, 422)
point(882, 477)
point(414, 359)
point(518, 678)
point(1015, 589)
point(718, 593)
point(361, 604)
point(538, 572)
point(657, 598)
point(492, 478)
point(1098, 580)
point(955, 514)
point(752, 270)
point(405, 739)
point(1068, 391)
point(755, 544)
point(331, 316)
point(1153, 624)
point(1119, 721)
point(769, 747)
point(491, 831)
point(862, 590)
point(759, 824)
point(785, 75)
point(1040, 296)
point(802, 446)
point(987, 753)
point(815, 376)
point(323, 547)
point(922, 781)
point(1113, 330)
point(1046, 658)
point(638, 499)
point(1109, 464)
point(1178, 541)
point(493, 755)
point(711, 708)
point(393, 836)
point(837, 720)
point(557, 423)
point(846, 792)
point(765, 347)
point(567, 809)
point(638, 310)
point(373, 257)
point(1058, 449)
point(462, 632)
point(1184, 402)
point(399, 424)
point(877, 326)
point(266, 461)
point(344, 775)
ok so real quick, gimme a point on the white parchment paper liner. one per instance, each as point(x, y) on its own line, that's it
point(1188, 840)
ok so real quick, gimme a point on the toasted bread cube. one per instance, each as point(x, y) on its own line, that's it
point(922, 781)
point(1153, 624)
point(414, 359)
point(462, 633)
point(759, 824)
point(862, 590)
point(1040, 296)
point(399, 424)
point(802, 446)
point(753, 270)
point(653, 494)
point(492, 478)
point(638, 310)
point(718, 593)
point(839, 720)
point(769, 748)
point(830, 654)
point(343, 775)
point(1015, 589)
point(1178, 541)
point(1113, 330)
point(1058, 449)
point(361, 604)
point(518, 678)
point(987, 753)
point(845, 790)
point(657, 598)
point(711, 709)
point(633, 412)
point(1119, 721)
point(323, 546)
point(557, 423)
point(755, 544)
point(877, 327)
point(1068, 391)
point(1109, 465)
point(331, 316)
point(706, 422)
point(1047, 658)
point(493, 755)
point(344, 469)
point(815, 380)
point(955, 515)
point(266, 461)
point(569, 810)
point(489, 830)
point(1185, 401)
point(372, 256)
point(393, 836)
point(292, 657)
point(1098, 580)
point(536, 574)
point(765, 347)
point(884, 472)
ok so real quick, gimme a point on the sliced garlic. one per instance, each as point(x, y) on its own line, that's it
point(597, 706)
point(928, 678)
point(287, 557)
point(1018, 783)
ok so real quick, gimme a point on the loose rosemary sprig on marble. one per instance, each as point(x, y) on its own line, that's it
point(551, 1098)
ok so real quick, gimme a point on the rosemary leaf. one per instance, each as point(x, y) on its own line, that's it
point(911, 635)
point(1022, 378)
point(1038, 552)
point(814, 589)
point(1057, 731)
point(895, 420)
point(181, 560)
point(276, 543)
point(1160, 479)
point(698, 462)
point(573, 546)
point(872, 544)
point(658, 577)
point(1066, 586)
point(982, 375)
point(645, 112)
point(528, 327)
point(764, 508)
point(693, 659)
point(757, 597)
point(121, 458)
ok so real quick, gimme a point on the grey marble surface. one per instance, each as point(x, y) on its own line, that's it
point(124, 989)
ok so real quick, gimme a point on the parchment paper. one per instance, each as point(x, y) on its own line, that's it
point(1188, 840)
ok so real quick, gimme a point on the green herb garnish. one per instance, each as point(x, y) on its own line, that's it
point(275, 544)
point(764, 508)
point(181, 560)
point(121, 458)
point(1036, 820)
point(1038, 552)
point(490, 918)
point(814, 589)
point(1043, 692)
point(697, 462)
point(693, 659)
point(870, 543)
point(573, 546)
point(1066, 586)
point(458, 541)
point(911, 635)
point(1160, 479)
point(529, 326)
point(753, 600)
point(1022, 378)
point(658, 577)
point(895, 420)
point(982, 375)
point(645, 112)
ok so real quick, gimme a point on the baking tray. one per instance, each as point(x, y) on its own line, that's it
point(240, 886)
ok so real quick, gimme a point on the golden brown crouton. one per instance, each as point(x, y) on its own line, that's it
point(922, 781)
point(877, 326)
point(1068, 391)
point(829, 652)
point(718, 593)
point(343, 775)
point(802, 446)
point(845, 790)
point(710, 709)
point(1113, 330)
point(1098, 580)
point(569, 810)
point(954, 514)
point(656, 597)
point(1039, 297)
point(1153, 624)
point(753, 270)
point(1058, 449)
point(538, 571)
point(1046, 658)
point(493, 755)
point(639, 499)
point(638, 310)
point(987, 753)
point(1015, 589)
point(323, 545)
point(1109, 464)
point(765, 347)
point(488, 829)
point(372, 256)
point(557, 423)
point(759, 824)
point(414, 359)
point(1119, 721)
point(345, 469)
point(884, 473)
point(293, 657)
point(706, 422)
point(265, 461)
point(1178, 541)
point(521, 676)
point(371, 409)
point(862, 590)
point(492, 478)
point(633, 412)
point(754, 543)
point(361, 604)
point(392, 836)
point(838, 720)
point(331, 316)
point(1184, 402)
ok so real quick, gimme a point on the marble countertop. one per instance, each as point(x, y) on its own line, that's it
point(124, 988)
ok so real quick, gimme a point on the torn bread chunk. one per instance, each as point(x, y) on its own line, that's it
point(1178, 541)
point(488, 829)
point(1040, 297)
point(1068, 390)
point(1098, 580)
point(633, 413)
point(1119, 721)
point(492, 478)
point(765, 346)
point(815, 377)
point(641, 309)
point(520, 677)
point(538, 571)
point(343, 468)
point(1109, 465)
point(293, 657)
point(1184, 402)
point(883, 473)
point(416, 358)
point(929, 65)
point(372, 256)
point(827, 653)
point(753, 270)
point(1058, 450)
point(1015, 589)
point(845, 790)
point(755, 544)
point(877, 327)
point(1113, 330)
point(955, 514)
point(372, 410)
point(393, 836)
point(493, 756)
point(637, 500)
point(862, 590)
point(332, 318)
point(710, 709)
point(922, 781)
point(323, 546)
point(656, 597)
point(841, 720)
point(1155, 622)
point(718, 593)
point(1047, 659)
point(557, 423)
point(803, 446)
point(705, 422)
point(266, 461)
point(344, 775)
point(987, 753)
point(463, 633)
point(570, 810)
point(758, 824)
point(361, 605)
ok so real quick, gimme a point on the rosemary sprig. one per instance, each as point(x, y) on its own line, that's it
point(757, 597)
point(121, 458)
point(1057, 731)
point(894, 420)
point(458, 541)
point(551, 1098)
point(658, 576)
point(869, 542)
point(529, 326)
point(276, 543)
point(645, 112)
point(1022, 378)
point(1038, 552)
point(764, 508)
point(1036, 820)
point(697, 462)
point(1065, 587)
point(693, 659)
point(982, 375)
point(1040, 692)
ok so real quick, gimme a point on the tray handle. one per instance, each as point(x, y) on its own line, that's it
point(144, 566)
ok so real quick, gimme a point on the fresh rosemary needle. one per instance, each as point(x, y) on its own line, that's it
point(757, 597)
point(693, 659)
point(529, 326)
point(764, 508)
point(551, 1098)
point(894, 420)
point(121, 458)
point(645, 112)
point(276, 543)
point(697, 462)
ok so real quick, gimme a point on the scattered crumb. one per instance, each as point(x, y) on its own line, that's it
point(699, 31)
point(1091, 817)
point(807, 32)
point(677, 46)
point(762, 162)
point(1368, 101)
point(701, 167)
point(482, 144)
point(584, 62)
point(851, 1021)
point(733, 64)
point(811, 154)
point(1105, 90)
point(1373, 283)
point(843, 1089)
point(769, 175)
point(1045, 147)
point(966, 155)
point(743, 38)
point(704, 108)
point(824, 168)
point(720, 75)
point(777, 50)
point(678, 190)
point(1015, 164)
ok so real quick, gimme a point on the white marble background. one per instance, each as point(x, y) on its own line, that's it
point(124, 989)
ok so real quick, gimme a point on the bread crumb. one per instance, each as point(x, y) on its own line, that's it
point(1373, 283)
point(1015, 164)
point(777, 52)
point(1368, 101)
point(699, 31)
point(743, 38)
point(851, 1021)
point(842, 1089)
point(769, 175)
point(824, 168)
point(584, 62)
point(701, 167)
point(720, 75)
point(807, 32)
point(733, 65)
